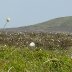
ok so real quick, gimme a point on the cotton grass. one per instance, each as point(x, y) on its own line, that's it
point(8, 19)
point(32, 44)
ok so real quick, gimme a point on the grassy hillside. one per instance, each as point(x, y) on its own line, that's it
point(45, 40)
point(62, 24)
point(52, 52)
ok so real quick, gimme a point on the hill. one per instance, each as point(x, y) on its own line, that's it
point(62, 24)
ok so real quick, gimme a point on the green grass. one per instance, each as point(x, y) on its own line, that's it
point(15, 59)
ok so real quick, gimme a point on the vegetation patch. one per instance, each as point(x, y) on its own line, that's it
point(51, 52)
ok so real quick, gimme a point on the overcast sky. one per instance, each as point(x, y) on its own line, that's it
point(27, 12)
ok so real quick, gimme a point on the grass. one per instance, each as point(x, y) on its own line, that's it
point(53, 52)
point(16, 59)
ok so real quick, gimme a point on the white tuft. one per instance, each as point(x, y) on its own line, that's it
point(32, 44)
point(8, 19)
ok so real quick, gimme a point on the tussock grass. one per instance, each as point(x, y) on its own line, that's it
point(52, 53)
point(16, 59)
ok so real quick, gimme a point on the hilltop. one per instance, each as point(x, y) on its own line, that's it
point(62, 24)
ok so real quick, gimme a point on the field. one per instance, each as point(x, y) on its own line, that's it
point(53, 52)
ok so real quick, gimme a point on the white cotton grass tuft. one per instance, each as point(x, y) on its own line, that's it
point(8, 19)
point(32, 44)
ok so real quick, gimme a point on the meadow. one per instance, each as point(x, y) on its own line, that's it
point(52, 53)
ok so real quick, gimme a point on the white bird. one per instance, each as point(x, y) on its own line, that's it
point(32, 44)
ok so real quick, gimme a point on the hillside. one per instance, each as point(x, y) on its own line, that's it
point(62, 24)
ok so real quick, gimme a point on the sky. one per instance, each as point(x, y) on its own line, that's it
point(30, 12)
